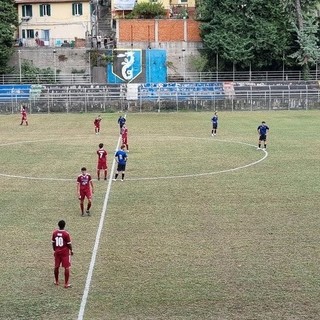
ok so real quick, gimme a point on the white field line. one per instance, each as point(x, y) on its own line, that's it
point(149, 178)
point(97, 241)
point(208, 173)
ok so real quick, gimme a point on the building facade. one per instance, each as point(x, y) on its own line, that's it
point(53, 23)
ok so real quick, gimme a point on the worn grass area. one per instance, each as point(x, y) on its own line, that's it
point(242, 244)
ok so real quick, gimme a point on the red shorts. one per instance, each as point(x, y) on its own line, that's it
point(61, 258)
point(24, 118)
point(125, 140)
point(102, 165)
point(85, 193)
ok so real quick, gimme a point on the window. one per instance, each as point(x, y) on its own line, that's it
point(45, 10)
point(77, 9)
point(27, 10)
point(27, 33)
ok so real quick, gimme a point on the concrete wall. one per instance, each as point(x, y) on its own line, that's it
point(64, 60)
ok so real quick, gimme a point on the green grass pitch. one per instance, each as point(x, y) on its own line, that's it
point(186, 236)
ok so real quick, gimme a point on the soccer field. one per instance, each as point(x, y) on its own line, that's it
point(202, 227)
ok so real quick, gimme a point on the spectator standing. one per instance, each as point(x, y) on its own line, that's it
point(99, 40)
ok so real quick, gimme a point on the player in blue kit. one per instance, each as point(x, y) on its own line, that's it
point(263, 130)
point(214, 121)
point(121, 121)
point(121, 158)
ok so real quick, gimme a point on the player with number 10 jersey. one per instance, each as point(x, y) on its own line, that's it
point(61, 241)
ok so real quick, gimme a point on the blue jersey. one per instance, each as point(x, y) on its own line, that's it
point(263, 129)
point(121, 121)
point(122, 156)
point(214, 119)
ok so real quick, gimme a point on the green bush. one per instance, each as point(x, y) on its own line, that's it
point(147, 10)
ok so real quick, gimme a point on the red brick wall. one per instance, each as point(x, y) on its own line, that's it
point(168, 30)
point(136, 30)
point(193, 31)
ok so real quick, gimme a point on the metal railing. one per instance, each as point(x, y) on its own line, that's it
point(243, 76)
point(71, 78)
point(112, 98)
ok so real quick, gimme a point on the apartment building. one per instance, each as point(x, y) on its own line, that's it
point(54, 23)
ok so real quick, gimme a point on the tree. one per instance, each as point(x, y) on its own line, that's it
point(305, 27)
point(8, 22)
point(245, 33)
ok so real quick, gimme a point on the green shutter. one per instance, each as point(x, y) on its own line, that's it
point(73, 13)
point(48, 9)
point(41, 10)
point(80, 9)
point(30, 11)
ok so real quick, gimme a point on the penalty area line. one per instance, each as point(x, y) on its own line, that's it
point(97, 241)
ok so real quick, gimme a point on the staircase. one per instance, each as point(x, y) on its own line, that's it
point(104, 21)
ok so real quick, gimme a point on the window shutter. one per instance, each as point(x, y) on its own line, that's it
point(49, 10)
point(41, 10)
point(23, 33)
point(30, 10)
point(80, 9)
point(73, 9)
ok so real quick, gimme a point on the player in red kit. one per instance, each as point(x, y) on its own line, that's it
point(61, 243)
point(124, 136)
point(24, 116)
point(96, 123)
point(102, 161)
point(85, 190)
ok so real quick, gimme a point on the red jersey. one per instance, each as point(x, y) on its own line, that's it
point(97, 122)
point(124, 133)
point(102, 156)
point(24, 114)
point(84, 181)
point(61, 239)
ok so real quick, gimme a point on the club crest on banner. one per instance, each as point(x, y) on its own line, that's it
point(127, 64)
